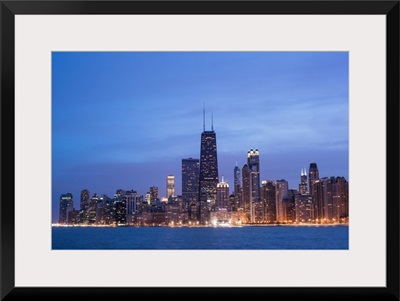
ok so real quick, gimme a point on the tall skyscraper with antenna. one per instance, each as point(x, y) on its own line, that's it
point(303, 183)
point(208, 176)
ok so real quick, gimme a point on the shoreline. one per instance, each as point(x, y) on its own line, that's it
point(199, 226)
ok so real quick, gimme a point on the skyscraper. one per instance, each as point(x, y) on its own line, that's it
point(246, 190)
point(303, 183)
point(133, 200)
point(170, 186)
point(268, 195)
point(119, 207)
point(253, 162)
point(289, 206)
point(222, 194)
point(313, 175)
point(66, 206)
point(237, 190)
point(85, 200)
point(85, 206)
point(282, 188)
point(322, 198)
point(153, 194)
point(190, 185)
point(92, 208)
point(304, 207)
point(208, 178)
point(340, 198)
point(148, 198)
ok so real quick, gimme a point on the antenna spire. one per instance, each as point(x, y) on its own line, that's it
point(212, 121)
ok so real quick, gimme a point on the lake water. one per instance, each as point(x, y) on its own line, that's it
point(201, 238)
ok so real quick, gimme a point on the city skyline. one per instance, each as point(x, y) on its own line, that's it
point(138, 140)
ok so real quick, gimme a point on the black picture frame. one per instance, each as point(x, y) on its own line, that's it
point(11, 8)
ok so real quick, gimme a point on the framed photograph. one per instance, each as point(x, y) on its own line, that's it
point(245, 149)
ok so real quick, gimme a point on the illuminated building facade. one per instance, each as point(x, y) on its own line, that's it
point(258, 212)
point(133, 201)
point(268, 195)
point(172, 214)
point(253, 162)
point(85, 200)
point(148, 198)
point(313, 175)
point(84, 206)
point(208, 175)
point(282, 187)
point(153, 194)
point(66, 206)
point(304, 207)
point(108, 211)
point(203, 208)
point(303, 182)
point(246, 189)
point(119, 207)
point(340, 199)
point(100, 210)
point(237, 190)
point(289, 206)
point(73, 217)
point(232, 203)
point(170, 186)
point(190, 185)
point(322, 194)
point(91, 213)
point(223, 195)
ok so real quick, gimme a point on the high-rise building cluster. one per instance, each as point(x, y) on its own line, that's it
point(207, 201)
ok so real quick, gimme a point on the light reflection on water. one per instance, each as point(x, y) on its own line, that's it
point(202, 238)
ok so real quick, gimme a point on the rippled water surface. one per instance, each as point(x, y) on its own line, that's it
point(206, 238)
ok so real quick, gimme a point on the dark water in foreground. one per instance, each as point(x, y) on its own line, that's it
point(202, 238)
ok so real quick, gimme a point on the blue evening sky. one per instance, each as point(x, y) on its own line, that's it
point(126, 119)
